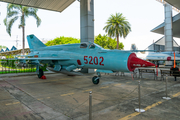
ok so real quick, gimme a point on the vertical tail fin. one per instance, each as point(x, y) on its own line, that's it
point(34, 42)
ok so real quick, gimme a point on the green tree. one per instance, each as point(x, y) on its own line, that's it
point(14, 12)
point(62, 40)
point(2, 47)
point(107, 42)
point(117, 25)
point(104, 41)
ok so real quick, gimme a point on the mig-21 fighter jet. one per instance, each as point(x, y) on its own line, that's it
point(66, 58)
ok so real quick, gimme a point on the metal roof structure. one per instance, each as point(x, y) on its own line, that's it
point(159, 45)
point(176, 21)
point(161, 41)
point(13, 48)
point(15, 52)
point(53, 5)
point(7, 49)
point(175, 3)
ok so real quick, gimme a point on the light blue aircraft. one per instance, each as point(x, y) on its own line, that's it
point(66, 58)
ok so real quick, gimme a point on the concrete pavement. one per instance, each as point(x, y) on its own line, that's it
point(62, 97)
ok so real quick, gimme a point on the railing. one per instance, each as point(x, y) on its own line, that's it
point(11, 66)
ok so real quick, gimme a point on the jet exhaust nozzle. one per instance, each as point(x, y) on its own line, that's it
point(134, 62)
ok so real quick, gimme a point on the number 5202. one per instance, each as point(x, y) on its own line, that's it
point(94, 60)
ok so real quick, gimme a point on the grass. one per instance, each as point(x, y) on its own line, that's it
point(18, 71)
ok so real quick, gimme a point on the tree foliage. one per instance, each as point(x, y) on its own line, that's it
point(107, 42)
point(116, 26)
point(62, 40)
point(15, 12)
point(104, 41)
point(2, 47)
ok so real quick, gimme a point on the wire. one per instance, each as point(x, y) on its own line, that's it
point(75, 107)
point(117, 98)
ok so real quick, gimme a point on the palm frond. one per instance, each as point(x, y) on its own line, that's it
point(12, 13)
point(34, 14)
point(117, 25)
point(5, 21)
point(9, 24)
point(11, 7)
point(16, 11)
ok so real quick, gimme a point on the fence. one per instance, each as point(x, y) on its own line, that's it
point(11, 66)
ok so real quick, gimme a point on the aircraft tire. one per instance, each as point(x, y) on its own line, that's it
point(95, 80)
point(41, 73)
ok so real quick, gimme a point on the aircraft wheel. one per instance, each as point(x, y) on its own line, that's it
point(41, 73)
point(95, 79)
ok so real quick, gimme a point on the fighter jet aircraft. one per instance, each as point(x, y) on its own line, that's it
point(152, 55)
point(158, 56)
point(66, 58)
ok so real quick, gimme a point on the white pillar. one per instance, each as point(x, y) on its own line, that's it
point(87, 24)
point(87, 20)
point(168, 30)
point(168, 27)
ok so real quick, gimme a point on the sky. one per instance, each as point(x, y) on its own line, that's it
point(143, 15)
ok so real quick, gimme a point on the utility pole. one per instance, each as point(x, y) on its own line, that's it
point(17, 41)
point(0, 24)
point(0, 13)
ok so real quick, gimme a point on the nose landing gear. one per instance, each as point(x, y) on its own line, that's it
point(96, 79)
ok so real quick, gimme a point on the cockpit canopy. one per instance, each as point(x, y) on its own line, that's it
point(90, 45)
point(83, 45)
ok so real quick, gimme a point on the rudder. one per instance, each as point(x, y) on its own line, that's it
point(34, 42)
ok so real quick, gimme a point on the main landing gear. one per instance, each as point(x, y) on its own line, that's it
point(96, 79)
point(41, 73)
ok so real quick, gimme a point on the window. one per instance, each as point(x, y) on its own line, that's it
point(83, 45)
point(91, 46)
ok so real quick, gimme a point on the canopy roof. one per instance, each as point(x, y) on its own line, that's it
point(175, 3)
point(54, 5)
point(176, 29)
point(176, 21)
point(15, 52)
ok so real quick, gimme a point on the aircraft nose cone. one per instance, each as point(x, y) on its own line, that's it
point(134, 62)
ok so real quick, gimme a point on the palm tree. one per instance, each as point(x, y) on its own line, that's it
point(14, 12)
point(117, 25)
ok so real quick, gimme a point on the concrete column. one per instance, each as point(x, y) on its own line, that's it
point(87, 24)
point(168, 30)
point(168, 27)
point(87, 20)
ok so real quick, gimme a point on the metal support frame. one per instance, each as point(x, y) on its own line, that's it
point(166, 98)
point(139, 95)
point(90, 105)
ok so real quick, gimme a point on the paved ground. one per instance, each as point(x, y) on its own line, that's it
point(62, 97)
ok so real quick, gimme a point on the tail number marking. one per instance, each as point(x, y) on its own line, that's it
point(102, 59)
point(94, 60)
point(91, 58)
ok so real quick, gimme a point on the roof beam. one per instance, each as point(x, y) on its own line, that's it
point(53, 5)
point(175, 3)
